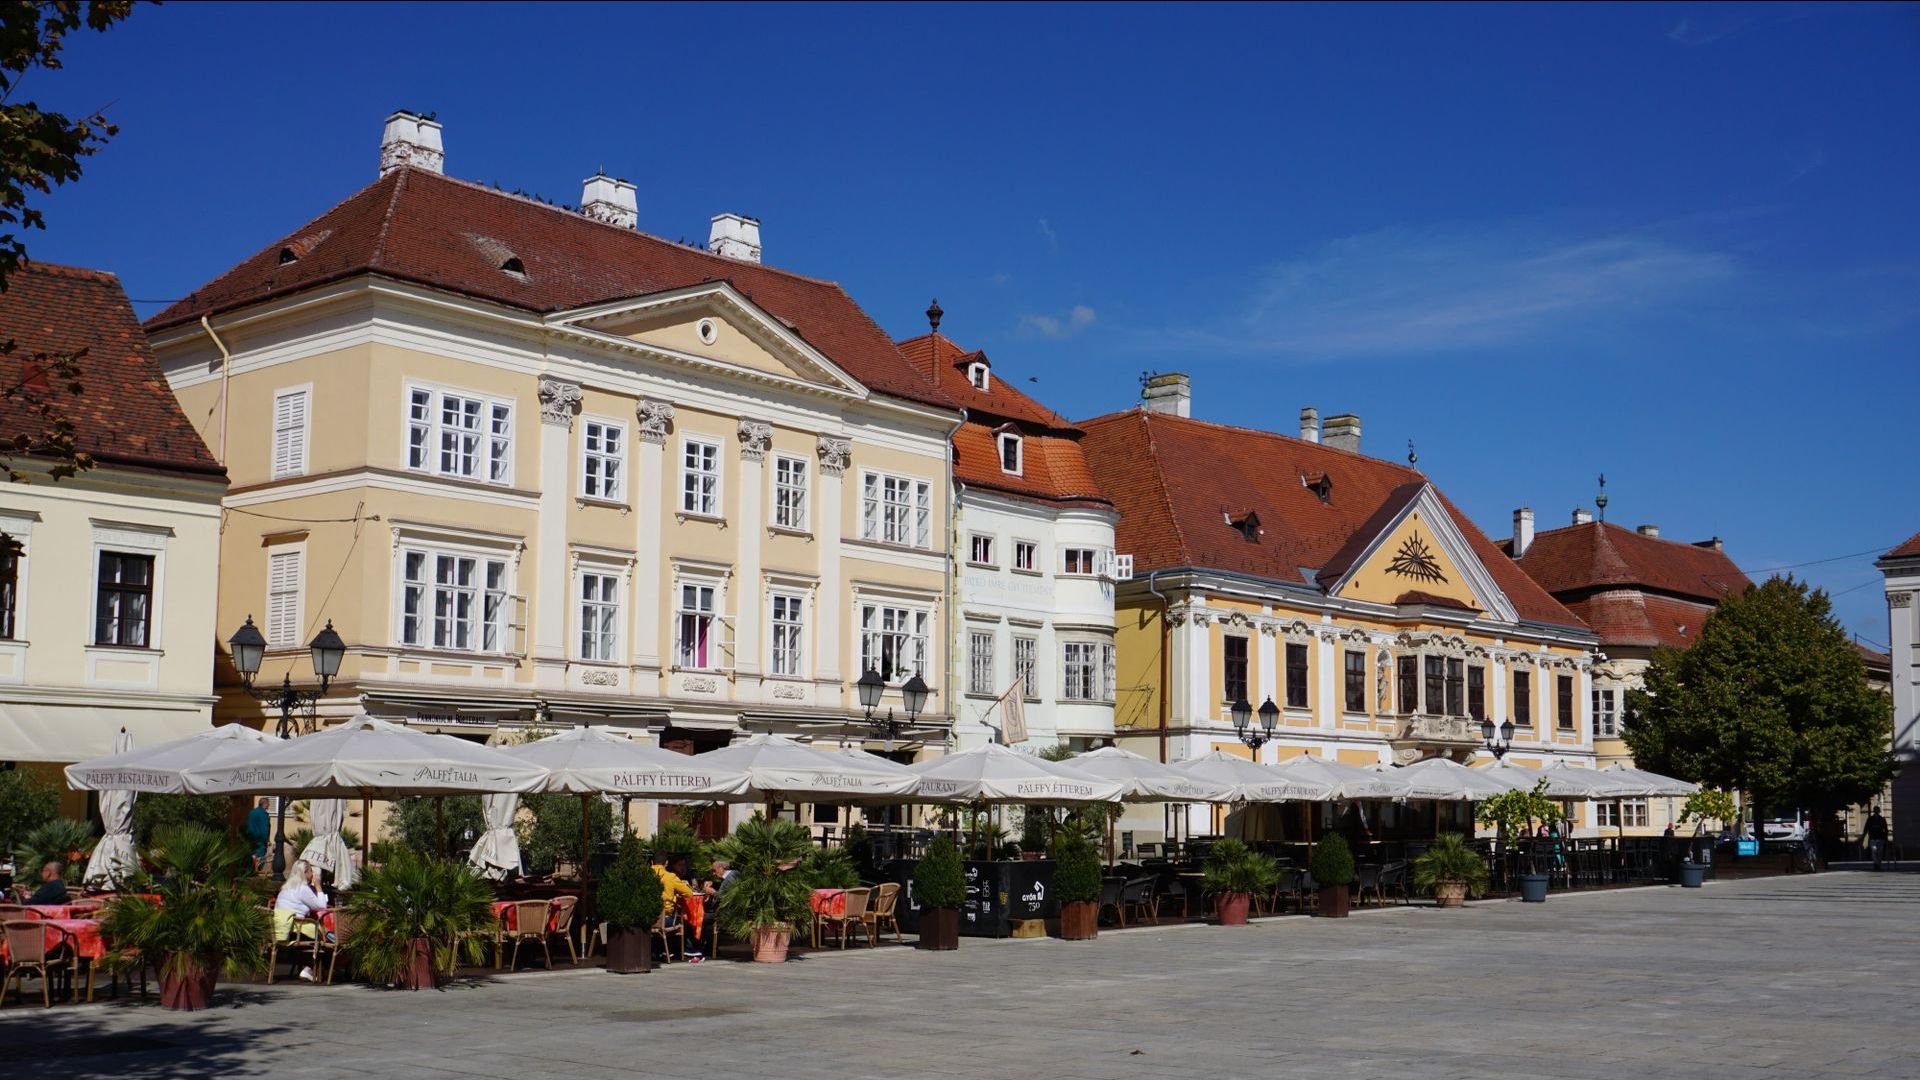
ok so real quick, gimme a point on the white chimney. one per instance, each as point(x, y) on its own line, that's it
point(1342, 432)
point(609, 200)
point(1582, 516)
point(735, 236)
point(1649, 530)
point(411, 139)
point(1310, 424)
point(1171, 393)
point(1522, 531)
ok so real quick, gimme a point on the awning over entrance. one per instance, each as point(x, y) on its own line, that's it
point(35, 731)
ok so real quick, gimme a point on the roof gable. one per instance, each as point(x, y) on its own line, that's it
point(944, 363)
point(1414, 547)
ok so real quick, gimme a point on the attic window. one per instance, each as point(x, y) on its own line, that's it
point(979, 376)
point(288, 255)
point(1321, 484)
point(513, 265)
point(1011, 453)
point(1246, 524)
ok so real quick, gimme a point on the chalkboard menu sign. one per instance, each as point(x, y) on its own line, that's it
point(998, 894)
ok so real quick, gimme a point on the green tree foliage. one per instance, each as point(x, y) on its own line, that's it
point(1076, 865)
point(1515, 813)
point(410, 824)
point(61, 840)
point(629, 895)
point(152, 813)
point(938, 879)
point(554, 831)
point(1332, 862)
point(27, 801)
point(674, 838)
point(1772, 699)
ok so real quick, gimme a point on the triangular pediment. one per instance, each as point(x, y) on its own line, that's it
point(711, 324)
point(1415, 553)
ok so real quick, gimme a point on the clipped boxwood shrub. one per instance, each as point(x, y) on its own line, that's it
point(938, 880)
point(1076, 867)
point(629, 896)
point(1332, 861)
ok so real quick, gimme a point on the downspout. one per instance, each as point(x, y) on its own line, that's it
point(1166, 674)
point(955, 490)
point(226, 365)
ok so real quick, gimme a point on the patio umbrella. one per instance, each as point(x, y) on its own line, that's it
point(1248, 781)
point(599, 761)
point(366, 758)
point(780, 769)
point(114, 854)
point(991, 773)
point(158, 769)
point(497, 853)
point(1510, 774)
point(328, 850)
point(1342, 781)
point(1146, 780)
point(1447, 780)
point(1649, 784)
point(1566, 781)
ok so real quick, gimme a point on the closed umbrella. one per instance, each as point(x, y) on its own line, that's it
point(497, 853)
point(328, 849)
point(1248, 781)
point(1146, 780)
point(1342, 781)
point(366, 758)
point(781, 769)
point(114, 856)
point(160, 769)
point(991, 773)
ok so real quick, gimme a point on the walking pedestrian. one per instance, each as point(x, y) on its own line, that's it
point(1877, 835)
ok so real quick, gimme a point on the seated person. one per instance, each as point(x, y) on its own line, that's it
point(300, 898)
point(53, 887)
point(725, 875)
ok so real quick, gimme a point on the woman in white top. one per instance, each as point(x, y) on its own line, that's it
point(300, 898)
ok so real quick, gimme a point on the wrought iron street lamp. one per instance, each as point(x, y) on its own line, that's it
point(1505, 743)
point(249, 646)
point(913, 695)
point(1242, 722)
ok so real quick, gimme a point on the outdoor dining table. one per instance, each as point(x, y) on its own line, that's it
point(82, 934)
point(830, 903)
point(62, 911)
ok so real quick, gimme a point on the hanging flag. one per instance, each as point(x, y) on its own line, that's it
point(1013, 712)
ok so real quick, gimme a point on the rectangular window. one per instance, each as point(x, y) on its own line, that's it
point(1026, 556)
point(123, 609)
point(1477, 692)
point(450, 601)
point(1523, 697)
point(1563, 703)
point(1456, 687)
point(1080, 669)
point(694, 625)
point(1010, 453)
point(893, 642)
point(1633, 813)
point(1409, 685)
point(1026, 651)
point(459, 435)
point(1606, 722)
point(289, 433)
point(1436, 679)
point(980, 663)
point(896, 510)
point(980, 550)
point(1235, 660)
point(284, 586)
point(1606, 815)
point(700, 478)
point(1296, 675)
point(1107, 680)
point(789, 628)
point(603, 460)
point(9, 587)
point(1078, 561)
point(599, 616)
point(790, 493)
point(1356, 682)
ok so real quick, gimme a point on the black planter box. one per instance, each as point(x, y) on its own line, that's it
point(999, 894)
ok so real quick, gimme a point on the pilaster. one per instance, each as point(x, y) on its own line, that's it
point(828, 644)
point(655, 421)
point(750, 598)
point(559, 401)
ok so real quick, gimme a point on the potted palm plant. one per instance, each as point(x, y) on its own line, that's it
point(62, 840)
point(1516, 814)
point(831, 868)
point(940, 887)
point(768, 898)
point(1332, 869)
point(1451, 869)
point(417, 916)
point(1076, 883)
point(1232, 873)
point(194, 919)
point(629, 901)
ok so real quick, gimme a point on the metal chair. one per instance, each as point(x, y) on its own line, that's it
point(1366, 879)
point(1139, 896)
point(1110, 890)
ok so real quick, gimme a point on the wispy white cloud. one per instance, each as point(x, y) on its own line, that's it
point(1805, 160)
point(1058, 326)
point(1053, 238)
point(1407, 291)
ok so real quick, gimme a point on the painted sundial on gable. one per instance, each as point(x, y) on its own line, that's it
point(1415, 560)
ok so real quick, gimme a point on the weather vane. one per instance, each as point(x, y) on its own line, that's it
point(1600, 500)
point(1412, 457)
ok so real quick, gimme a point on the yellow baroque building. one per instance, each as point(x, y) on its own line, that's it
point(1345, 589)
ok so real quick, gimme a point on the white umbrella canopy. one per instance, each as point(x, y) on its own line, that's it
point(1514, 776)
point(1343, 781)
point(780, 768)
point(114, 856)
point(1566, 781)
point(1649, 784)
point(497, 853)
point(1249, 781)
point(328, 849)
point(598, 760)
point(1455, 781)
point(367, 758)
point(159, 769)
point(1146, 780)
point(991, 773)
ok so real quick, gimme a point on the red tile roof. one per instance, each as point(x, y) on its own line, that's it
point(126, 414)
point(1907, 550)
point(1174, 479)
point(448, 234)
point(1630, 617)
point(1598, 555)
point(945, 364)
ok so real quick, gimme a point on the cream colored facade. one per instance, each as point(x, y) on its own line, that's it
point(479, 576)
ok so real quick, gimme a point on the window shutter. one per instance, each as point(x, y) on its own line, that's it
point(290, 433)
point(283, 598)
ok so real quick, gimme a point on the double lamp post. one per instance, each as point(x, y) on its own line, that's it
point(249, 647)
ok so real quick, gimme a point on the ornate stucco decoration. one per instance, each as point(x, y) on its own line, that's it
point(1900, 599)
point(834, 454)
point(755, 437)
point(790, 693)
point(1382, 680)
point(1236, 619)
point(656, 419)
point(1297, 630)
point(600, 678)
point(558, 402)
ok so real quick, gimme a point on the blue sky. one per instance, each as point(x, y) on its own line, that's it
point(1675, 244)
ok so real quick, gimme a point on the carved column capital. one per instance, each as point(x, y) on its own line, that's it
point(559, 400)
point(834, 454)
point(755, 437)
point(656, 419)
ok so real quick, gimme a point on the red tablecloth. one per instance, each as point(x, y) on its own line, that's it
point(695, 909)
point(59, 911)
point(84, 934)
point(503, 910)
point(831, 902)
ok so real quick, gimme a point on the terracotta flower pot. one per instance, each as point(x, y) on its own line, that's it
point(1079, 920)
point(940, 929)
point(1334, 902)
point(419, 973)
point(770, 944)
point(190, 988)
point(629, 951)
point(1449, 893)
point(1232, 908)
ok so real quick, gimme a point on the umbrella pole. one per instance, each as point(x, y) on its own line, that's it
point(1306, 821)
point(440, 825)
point(366, 832)
point(583, 836)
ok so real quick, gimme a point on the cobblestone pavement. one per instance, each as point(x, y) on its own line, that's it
point(1783, 977)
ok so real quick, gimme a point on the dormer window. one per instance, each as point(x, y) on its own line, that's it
point(513, 265)
point(1011, 453)
point(288, 255)
point(1246, 524)
point(1321, 484)
point(981, 379)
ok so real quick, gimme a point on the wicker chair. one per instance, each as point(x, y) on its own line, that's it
point(27, 953)
point(524, 921)
point(1110, 890)
point(1366, 879)
point(344, 925)
point(663, 930)
point(294, 941)
point(561, 923)
point(853, 914)
point(880, 913)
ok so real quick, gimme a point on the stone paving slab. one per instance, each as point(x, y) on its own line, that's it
point(1782, 977)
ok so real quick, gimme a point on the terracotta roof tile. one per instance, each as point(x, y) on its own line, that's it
point(945, 364)
point(1600, 555)
point(1631, 617)
point(449, 234)
point(1907, 550)
point(127, 414)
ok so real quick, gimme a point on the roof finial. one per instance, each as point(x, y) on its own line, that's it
point(933, 314)
point(1600, 500)
point(1413, 458)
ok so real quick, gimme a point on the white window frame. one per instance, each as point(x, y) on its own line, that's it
point(792, 480)
point(21, 529)
point(787, 634)
point(603, 472)
point(694, 502)
point(908, 625)
point(298, 432)
point(980, 551)
point(606, 601)
point(981, 647)
point(979, 376)
point(716, 622)
point(286, 614)
point(1634, 813)
point(1080, 671)
point(896, 509)
point(1029, 665)
point(426, 436)
point(1031, 549)
point(1606, 721)
point(493, 598)
point(1012, 440)
point(1091, 562)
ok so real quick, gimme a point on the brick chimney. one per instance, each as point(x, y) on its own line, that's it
point(411, 139)
point(1170, 393)
point(605, 199)
point(735, 236)
point(1342, 432)
point(1310, 424)
point(1522, 531)
point(1649, 530)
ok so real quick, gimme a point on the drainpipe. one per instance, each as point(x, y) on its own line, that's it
point(226, 365)
point(1166, 672)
